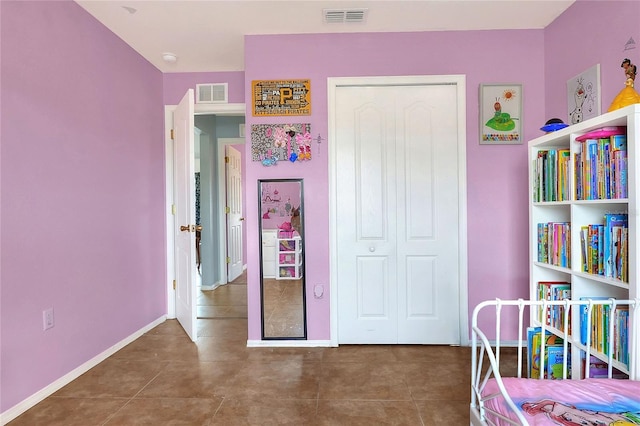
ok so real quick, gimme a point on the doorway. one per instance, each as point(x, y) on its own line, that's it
point(219, 209)
point(225, 110)
point(398, 246)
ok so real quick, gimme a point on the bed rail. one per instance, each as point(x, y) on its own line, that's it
point(482, 347)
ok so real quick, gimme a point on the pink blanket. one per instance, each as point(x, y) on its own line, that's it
point(571, 402)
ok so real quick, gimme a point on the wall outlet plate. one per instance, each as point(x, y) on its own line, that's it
point(47, 319)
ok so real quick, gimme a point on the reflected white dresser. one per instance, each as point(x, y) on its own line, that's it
point(269, 242)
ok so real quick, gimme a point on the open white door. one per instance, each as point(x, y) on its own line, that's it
point(234, 217)
point(185, 215)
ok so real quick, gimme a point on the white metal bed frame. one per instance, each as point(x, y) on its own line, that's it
point(480, 414)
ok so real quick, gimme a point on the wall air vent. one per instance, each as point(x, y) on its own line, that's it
point(342, 16)
point(212, 93)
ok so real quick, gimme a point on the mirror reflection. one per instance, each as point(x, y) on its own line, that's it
point(282, 259)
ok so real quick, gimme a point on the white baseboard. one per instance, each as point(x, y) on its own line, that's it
point(48, 390)
point(508, 344)
point(288, 343)
point(209, 287)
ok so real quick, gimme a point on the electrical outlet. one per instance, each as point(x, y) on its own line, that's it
point(47, 319)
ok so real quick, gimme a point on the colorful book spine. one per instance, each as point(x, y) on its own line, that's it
point(613, 225)
point(553, 243)
point(553, 291)
point(600, 338)
point(551, 175)
point(601, 168)
point(619, 165)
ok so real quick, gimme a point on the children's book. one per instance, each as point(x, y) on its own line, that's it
point(534, 342)
point(584, 231)
point(584, 319)
point(599, 369)
point(612, 221)
point(592, 169)
point(555, 362)
point(553, 290)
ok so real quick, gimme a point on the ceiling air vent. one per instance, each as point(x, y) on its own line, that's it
point(341, 16)
point(213, 93)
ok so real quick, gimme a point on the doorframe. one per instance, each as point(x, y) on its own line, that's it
point(333, 83)
point(222, 199)
point(199, 109)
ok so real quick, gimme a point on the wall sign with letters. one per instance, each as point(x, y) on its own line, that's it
point(281, 97)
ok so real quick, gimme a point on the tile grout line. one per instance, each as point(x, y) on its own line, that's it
point(133, 397)
point(223, 398)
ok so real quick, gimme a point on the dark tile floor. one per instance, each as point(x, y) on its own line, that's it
point(163, 378)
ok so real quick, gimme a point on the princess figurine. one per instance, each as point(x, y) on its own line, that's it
point(628, 95)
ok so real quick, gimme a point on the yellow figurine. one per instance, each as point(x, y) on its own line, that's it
point(628, 95)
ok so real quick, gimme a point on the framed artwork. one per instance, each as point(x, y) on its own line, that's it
point(583, 95)
point(271, 143)
point(500, 114)
point(281, 97)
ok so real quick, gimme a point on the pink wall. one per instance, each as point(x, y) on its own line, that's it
point(497, 200)
point(590, 33)
point(82, 193)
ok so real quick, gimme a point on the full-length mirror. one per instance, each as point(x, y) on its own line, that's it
point(282, 259)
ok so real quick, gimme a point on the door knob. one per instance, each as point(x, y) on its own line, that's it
point(188, 228)
point(242, 218)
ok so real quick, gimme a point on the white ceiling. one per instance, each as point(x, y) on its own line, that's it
point(208, 35)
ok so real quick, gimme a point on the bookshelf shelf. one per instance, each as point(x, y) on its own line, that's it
point(553, 267)
point(596, 238)
point(599, 278)
point(609, 201)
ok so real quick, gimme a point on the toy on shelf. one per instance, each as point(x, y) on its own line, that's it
point(287, 245)
point(553, 125)
point(603, 132)
point(285, 230)
point(628, 95)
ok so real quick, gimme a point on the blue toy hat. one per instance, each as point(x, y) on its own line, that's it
point(553, 124)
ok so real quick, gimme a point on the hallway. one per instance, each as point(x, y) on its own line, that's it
point(163, 378)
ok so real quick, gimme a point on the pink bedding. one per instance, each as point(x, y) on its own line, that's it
point(571, 402)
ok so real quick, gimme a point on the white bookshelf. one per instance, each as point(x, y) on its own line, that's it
point(586, 212)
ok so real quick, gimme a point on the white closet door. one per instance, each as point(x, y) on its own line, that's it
point(367, 262)
point(397, 220)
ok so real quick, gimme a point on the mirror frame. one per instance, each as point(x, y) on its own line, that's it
point(304, 263)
